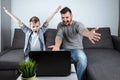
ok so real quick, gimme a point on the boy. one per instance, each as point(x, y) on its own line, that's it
point(34, 40)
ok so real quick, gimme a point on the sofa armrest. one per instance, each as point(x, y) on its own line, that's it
point(4, 52)
point(116, 42)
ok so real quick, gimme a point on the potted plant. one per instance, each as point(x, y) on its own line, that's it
point(27, 70)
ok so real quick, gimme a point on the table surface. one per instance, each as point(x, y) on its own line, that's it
point(72, 76)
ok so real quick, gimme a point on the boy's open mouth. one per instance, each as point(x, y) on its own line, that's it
point(35, 31)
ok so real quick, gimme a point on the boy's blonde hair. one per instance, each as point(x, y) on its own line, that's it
point(34, 19)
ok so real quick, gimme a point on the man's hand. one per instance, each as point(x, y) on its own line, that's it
point(54, 47)
point(93, 36)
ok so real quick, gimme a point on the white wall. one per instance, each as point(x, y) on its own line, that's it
point(102, 13)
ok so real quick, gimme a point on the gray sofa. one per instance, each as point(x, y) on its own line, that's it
point(10, 58)
point(103, 57)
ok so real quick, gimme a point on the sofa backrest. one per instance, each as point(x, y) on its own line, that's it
point(18, 39)
point(49, 37)
point(105, 41)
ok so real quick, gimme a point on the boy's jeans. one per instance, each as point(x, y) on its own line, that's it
point(80, 58)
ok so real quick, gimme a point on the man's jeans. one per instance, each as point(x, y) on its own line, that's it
point(80, 58)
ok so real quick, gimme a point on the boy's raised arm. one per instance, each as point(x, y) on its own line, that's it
point(12, 16)
point(51, 16)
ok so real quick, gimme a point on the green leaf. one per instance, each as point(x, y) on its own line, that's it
point(27, 69)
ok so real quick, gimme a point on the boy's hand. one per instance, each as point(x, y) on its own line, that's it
point(58, 8)
point(6, 11)
point(12, 16)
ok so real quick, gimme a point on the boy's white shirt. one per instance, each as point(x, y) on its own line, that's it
point(35, 43)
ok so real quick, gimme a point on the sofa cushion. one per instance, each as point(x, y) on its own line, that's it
point(49, 37)
point(18, 40)
point(103, 64)
point(11, 59)
point(116, 42)
point(104, 42)
point(9, 74)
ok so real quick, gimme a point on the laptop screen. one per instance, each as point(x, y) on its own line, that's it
point(52, 63)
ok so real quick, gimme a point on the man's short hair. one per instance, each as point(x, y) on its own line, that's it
point(34, 19)
point(65, 9)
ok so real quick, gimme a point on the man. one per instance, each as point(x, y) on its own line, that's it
point(70, 34)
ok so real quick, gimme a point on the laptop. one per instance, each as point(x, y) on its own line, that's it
point(52, 63)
